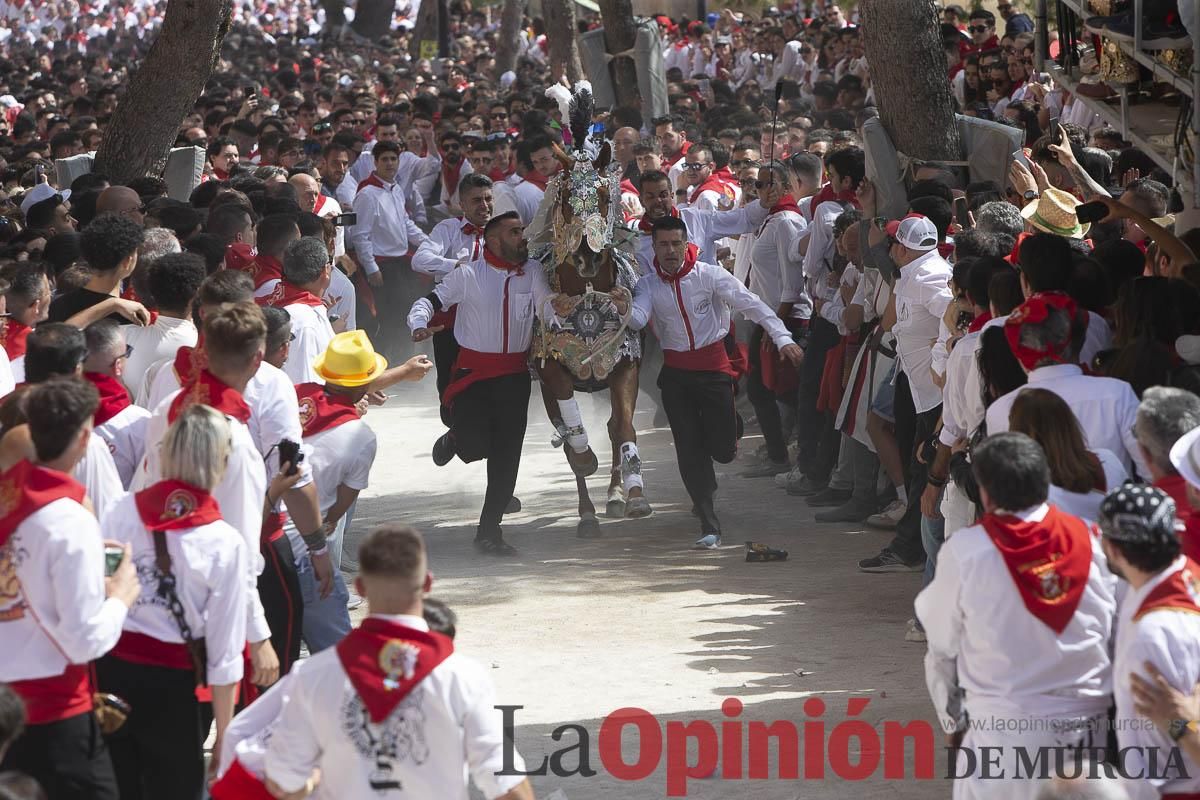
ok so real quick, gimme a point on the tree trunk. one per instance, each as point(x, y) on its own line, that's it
point(620, 34)
point(563, 37)
point(510, 31)
point(908, 71)
point(164, 89)
point(426, 30)
point(373, 18)
point(335, 15)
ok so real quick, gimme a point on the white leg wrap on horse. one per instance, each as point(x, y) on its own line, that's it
point(631, 466)
point(573, 420)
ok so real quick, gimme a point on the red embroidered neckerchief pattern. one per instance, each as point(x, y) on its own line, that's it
point(1179, 592)
point(188, 363)
point(114, 397)
point(321, 410)
point(26, 487)
point(646, 225)
point(174, 505)
point(265, 268)
point(286, 294)
point(386, 660)
point(207, 389)
point(1049, 562)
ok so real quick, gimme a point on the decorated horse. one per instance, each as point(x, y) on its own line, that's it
point(580, 239)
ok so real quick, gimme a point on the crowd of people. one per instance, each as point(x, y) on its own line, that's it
point(1005, 374)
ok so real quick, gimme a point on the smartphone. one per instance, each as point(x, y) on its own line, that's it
point(1055, 137)
point(113, 556)
point(343, 220)
point(1019, 156)
point(962, 213)
point(1091, 212)
point(289, 452)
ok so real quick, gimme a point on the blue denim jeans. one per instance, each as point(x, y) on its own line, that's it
point(933, 534)
point(325, 621)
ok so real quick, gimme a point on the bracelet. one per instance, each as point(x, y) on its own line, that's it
point(936, 481)
point(314, 540)
point(322, 550)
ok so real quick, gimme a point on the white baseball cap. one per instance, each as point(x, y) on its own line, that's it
point(1185, 457)
point(43, 191)
point(915, 232)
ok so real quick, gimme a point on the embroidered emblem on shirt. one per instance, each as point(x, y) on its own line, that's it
point(308, 410)
point(398, 659)
point(704, 306)
point(179, 503)
point(399, 738)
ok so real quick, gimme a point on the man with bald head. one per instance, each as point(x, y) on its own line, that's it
point(121, 200)
point(623, 141)
point(308, 193)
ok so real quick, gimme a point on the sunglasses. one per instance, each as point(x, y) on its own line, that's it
point(499, 116)
point(977, 28)
point(695, 167)
point(321, 127)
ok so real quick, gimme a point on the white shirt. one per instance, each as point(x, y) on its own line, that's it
point(695, 312)
point(125, 435)
point(249, 732)
point(340, 298)
point(7, 380)
point(983, 639)
point(495, 307)
point(1105, 407)
point(704, 228)
point(527, 197)
point(54, 610)
point(98, 473)
point(209, 565)
point(311, 334)
point(962, 396)
point(240, 495)
point(821, 244)
point(1170, 640)
point(339, 456)
point(776, 275)
point(922, 295)
point(327, 207)
point(445, 730)
point(1098, 337)
point(152, 344)
point(447, 245)
point(384, 228)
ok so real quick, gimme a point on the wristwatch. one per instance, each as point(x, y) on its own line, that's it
point(1178, 729)
point(1031, 195)
point(880, 223)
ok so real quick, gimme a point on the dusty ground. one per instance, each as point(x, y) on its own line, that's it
point(575, 629)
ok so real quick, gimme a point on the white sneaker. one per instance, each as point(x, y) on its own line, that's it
point(889, 518)
point(710, 541)
point(794, 479)
point(353, 602)
point(784, 478)
point(914, 633)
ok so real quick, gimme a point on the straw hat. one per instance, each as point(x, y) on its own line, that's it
point(1054, 212)
point(350, 360)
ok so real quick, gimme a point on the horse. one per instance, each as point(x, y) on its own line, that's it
point(581, 242)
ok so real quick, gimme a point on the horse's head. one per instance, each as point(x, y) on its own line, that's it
point(587, 203)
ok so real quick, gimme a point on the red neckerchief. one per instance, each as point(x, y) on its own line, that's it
point(174, 505)
point(207, 389)
point(497, 175)
point(319, 204)
point(827, 193)
point(683, 150)
point(374, 180)
point(646, 225)
point(321, 411)
point(978, 323)
point(469, 228)
point(627, 187)
point(712, 184)
point(786, 203)
point(450, 177)
point(689, 263)
point(945, 250)
point(725, 175)
point(188, 363)
point(537, 179)
point(1049, 562)
point(499, 263)
point(386, 660)
point(220, 175)
point(14, 336)
point(265, 268)
point(240, 255)
point(26, 487)
point(114, 397)
point(1180, 592)
point(286, 294)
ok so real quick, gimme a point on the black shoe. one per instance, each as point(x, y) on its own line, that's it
point(739, 425)
point(887, 561)
point(829, 498)
point(850, 512)
point(495, 547)
point(514, 505)
point(443, 449)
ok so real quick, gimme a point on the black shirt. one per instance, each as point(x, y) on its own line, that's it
point(63, 307)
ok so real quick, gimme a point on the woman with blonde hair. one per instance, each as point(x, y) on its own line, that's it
point(1079, 477)
point(188, 629)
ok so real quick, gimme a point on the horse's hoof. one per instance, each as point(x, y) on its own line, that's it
point(638, 507)
point(588, 528)
point(615, 509)
point(514, 505)
point(583, 464)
